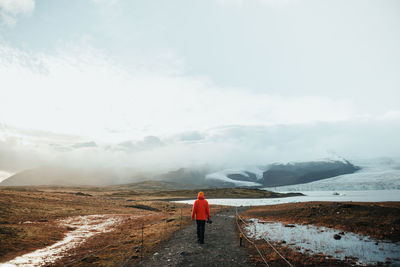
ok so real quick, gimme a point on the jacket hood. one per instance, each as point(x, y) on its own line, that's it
point(201, 195)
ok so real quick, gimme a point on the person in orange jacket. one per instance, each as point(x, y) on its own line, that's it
point(201, 212)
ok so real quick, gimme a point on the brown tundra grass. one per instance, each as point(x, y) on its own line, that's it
point(28, 221)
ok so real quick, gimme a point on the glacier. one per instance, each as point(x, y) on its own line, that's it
point(375, 174)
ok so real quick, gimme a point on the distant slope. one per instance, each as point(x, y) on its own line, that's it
point(284, 174)
point(185, 178)
point(375, 174)
point(53, 175)
point(236, 177)
point(305, 172)
point(61, 176)
point(149, 185)
point(195, 177)
point(208, 192)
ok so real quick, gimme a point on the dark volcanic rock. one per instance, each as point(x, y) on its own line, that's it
point(240, 177)
point(337, 237)
point(295, 173)
point(305, 172)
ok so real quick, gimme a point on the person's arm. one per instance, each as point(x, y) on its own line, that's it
point(194, 209)
point(208, 210)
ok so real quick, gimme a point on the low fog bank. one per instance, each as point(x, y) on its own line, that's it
point(206, 151)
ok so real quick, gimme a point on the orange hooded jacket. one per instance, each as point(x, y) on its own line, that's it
point(201, 210)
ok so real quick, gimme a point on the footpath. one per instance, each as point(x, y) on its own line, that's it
point(221, 246)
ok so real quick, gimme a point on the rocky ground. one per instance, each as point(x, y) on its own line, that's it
point(379, 220)
point(28, 219)
point(221, 246)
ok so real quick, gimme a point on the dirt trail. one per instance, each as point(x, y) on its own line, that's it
point(82, 227)
point(221, 246)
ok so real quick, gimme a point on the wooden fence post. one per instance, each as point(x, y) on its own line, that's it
point(180, 225)
point(142, 248)
point(165, 225)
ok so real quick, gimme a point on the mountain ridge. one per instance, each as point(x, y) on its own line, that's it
point(276, 174)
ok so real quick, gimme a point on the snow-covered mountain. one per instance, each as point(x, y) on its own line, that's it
point(375, 174)
point(247, 176)
point(279, 174)
point(327, 174)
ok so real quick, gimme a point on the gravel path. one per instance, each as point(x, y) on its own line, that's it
point(221, 246)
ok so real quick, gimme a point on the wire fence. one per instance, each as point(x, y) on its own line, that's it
point(139, 250)
point(238, 217)
point(169, 225)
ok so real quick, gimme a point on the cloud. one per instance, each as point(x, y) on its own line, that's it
point(191, 136)
point(22, 148)
point(150, 119)
point(148, 143)
point(11, 9)
point(112, 2)
point(84, 144)
point(235, 3)
point(227, 147)
point(240, 3)
point(83, 92)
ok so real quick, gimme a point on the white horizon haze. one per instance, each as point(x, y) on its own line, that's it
point(156, 86)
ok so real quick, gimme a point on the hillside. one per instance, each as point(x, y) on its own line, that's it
point(185, 178)
point(376, 174)
point(284, 174)
point(210, 193)
point(56, 175)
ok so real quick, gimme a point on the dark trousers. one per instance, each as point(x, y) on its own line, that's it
point(201, 226)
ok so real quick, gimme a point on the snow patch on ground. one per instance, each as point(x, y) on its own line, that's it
point(85, 227)
point(316, 240)
point(336, 196)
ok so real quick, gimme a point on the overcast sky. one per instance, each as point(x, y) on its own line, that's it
point(177, 83)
